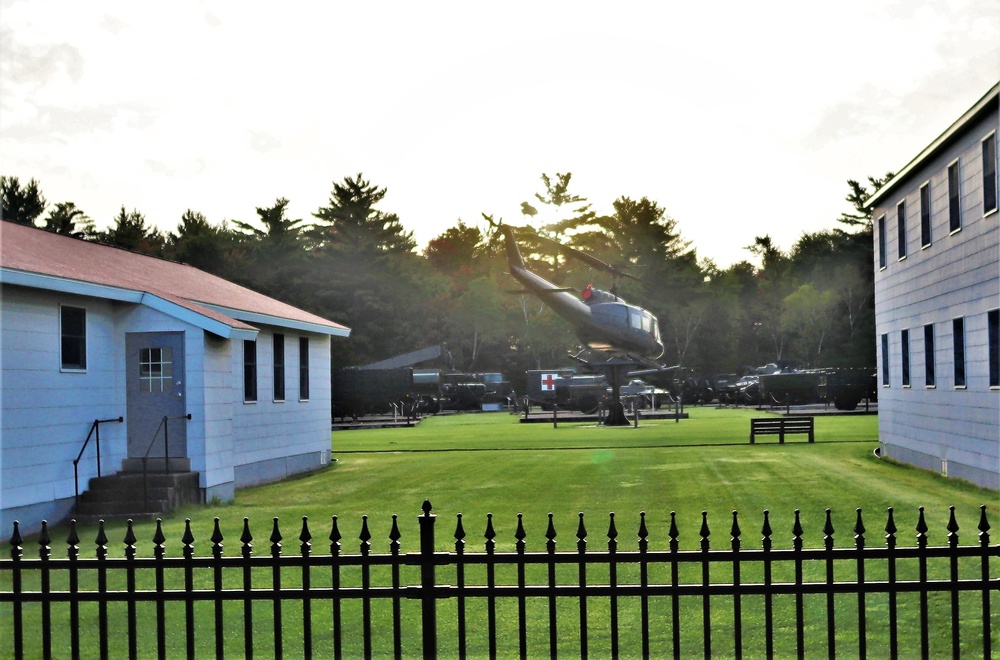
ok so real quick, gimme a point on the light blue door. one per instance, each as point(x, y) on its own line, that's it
point(155, 382)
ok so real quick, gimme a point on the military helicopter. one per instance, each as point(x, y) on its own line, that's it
point(623, 336)
point(602, 321)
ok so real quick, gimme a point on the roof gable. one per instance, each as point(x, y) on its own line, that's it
point(34, 257)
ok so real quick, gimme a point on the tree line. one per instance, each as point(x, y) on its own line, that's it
point(356, 264)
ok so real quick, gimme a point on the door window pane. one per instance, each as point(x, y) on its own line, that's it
point(156, 369)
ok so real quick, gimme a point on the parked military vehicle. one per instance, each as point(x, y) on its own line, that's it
point(357, 392)
point(843, 387)
point(642, 395)
point(564, 388)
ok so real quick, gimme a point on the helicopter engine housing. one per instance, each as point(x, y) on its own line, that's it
point(592, 296)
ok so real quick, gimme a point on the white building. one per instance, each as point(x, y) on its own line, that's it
point(937, 303)
point(89, 332)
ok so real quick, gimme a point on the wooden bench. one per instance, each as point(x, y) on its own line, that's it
point(779, 426)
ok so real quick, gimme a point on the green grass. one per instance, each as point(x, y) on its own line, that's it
point(489, 463)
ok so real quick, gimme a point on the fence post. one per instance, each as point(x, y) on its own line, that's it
point(427, 585)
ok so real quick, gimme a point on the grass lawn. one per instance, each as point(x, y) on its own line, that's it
point(476, 464)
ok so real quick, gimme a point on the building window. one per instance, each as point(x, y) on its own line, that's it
point(954, 199)
point(925, 215)
point(901, 228)
point(905, 354)
point(881, 242)
point(304, 368)
point(885, 360)
point(929, 355)
point(993, 322)
point(249, 370)
point(73, 331)
point(279, 367)
point(990, 174)
point(958, 332)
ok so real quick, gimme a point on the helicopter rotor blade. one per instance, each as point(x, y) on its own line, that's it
point(588, 259)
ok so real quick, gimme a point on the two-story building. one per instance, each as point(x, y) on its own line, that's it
point(937, 302)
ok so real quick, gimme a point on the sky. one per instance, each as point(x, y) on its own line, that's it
point(738, 118)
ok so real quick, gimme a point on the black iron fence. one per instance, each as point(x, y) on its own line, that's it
point(858, 600)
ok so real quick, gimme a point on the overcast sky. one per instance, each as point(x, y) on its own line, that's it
point(739, 118)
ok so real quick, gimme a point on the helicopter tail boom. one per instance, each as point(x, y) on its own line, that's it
point(513, 253)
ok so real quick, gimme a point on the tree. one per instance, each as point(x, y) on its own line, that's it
point(21, 205)
point(69, 220)
point(859, 216)
point(557, 195)
point(276, 250)
point(131, 232)
point(365, 274)
point(209, 247)
point(809, 313)
point(280, 235)
point(352, 222)
point(454, 249)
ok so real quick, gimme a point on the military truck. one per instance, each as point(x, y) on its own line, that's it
point(564, 388)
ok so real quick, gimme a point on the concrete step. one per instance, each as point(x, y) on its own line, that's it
point(93, 519)
point(128, 495)
point(153, 464)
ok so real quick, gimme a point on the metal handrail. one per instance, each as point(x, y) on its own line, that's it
point(95, 430)
point(166, 454)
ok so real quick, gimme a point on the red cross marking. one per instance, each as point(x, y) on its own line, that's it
point(548, 382)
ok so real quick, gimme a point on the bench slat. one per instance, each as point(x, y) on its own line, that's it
point(780, 426)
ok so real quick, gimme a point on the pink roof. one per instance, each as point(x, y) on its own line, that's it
point(41, 252)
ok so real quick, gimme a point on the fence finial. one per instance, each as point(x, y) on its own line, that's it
point(490, 534)
point(394, 535)
point(550, 534)
point(44, 541)
point(188, 539)
point(921, 529)
point(130, 540)
point(890, 531)
point(16, 541)
point(334, 537)
point(581, 535)
point(797, 532)
point(365, 536)
point(952, 528)
point(217, 539)
point(704, 532)
point(459, 535)
point(246, 538)
point(984, 527)
point(643, 532)
point(305, 538)
point(101, 541)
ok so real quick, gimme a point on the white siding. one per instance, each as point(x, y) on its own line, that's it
point(957, 276)
point(274, 438)
point(47, 413)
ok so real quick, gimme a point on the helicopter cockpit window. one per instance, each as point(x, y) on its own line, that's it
point(614, 313)
point(635, 317)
